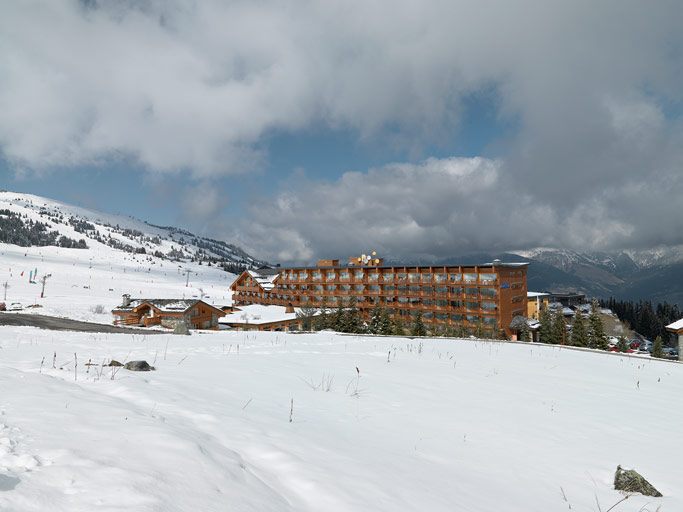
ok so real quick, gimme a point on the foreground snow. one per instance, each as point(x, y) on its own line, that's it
point(445, 425)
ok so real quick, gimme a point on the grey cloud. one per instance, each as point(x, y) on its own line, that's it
point(593, 89)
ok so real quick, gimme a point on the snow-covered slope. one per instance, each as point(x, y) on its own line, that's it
point(445, 425)
point(122, 233)
point(87, 283)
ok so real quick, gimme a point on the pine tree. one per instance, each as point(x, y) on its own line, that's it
point(596, 331)
point(622, 346)
point(337, 320)
point(418, 328)
point(375, 325)
point(386, 326)
point(351, 319)
point(545, 331)
point(657, 348)
point(559, 329)
point(579, 336)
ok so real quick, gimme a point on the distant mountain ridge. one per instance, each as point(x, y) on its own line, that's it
point(64, 223)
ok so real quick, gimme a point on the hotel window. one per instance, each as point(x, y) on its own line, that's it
point(456, 290)
point(442, 289)
point(401, 276)
point(345, 287)
point(331, 287)
point(333, 300)
point(442, 303)
point(490, 321)
point(389, 287)
point(488, 306)
point(330, 276)
point(403, 312)
point(358, 275)
point(441, 316)
point(456, 304)
point(303, 287)
point(474, 319)
point(487, 278)
point(427, 289)
point(414, 277)
point(469, 278)
point(403, 300)
point(414, 300)
point(470, 306)
point(403, 288)
point(428, 315)
point(373, 288)
point(344, 276)
point(415, 288)
point(317, 276)
point(426, 278)
point(359, 287)
point(472, 292)
point(303, 275)
point(455, 278)
point(373, 277)
point(427, 302)
point(487, 292)
point(388, 277)
point(318, 287)
point(440, 278)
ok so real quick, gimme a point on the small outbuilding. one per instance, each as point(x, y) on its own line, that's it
point(258, 317)
point(194, 313)
point(677, 329)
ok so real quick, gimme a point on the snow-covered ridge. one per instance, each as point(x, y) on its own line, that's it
point(566, 259)
point(123, 233)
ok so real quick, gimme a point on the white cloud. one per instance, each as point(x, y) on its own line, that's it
point(593, 90)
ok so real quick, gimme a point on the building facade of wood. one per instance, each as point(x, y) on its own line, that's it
point(195, 314)
point(474, 297)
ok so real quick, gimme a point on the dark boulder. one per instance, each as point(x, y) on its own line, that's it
point(138, 366)
point(113, 362)
point(629, 480)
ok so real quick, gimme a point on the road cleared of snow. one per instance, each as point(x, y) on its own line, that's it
point(380, 424)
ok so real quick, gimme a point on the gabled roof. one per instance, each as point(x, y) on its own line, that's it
point(676, 326)
point(264, 277)
point(164, 305)
point(257, 314)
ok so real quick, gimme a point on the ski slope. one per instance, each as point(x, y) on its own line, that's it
point(83, 279)
point(432, 425)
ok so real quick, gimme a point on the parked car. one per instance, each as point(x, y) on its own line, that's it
point(15, 306)
point(670, 352)
point(645, 346)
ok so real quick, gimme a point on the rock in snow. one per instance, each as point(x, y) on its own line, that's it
point(629, 480)
point(138, 366)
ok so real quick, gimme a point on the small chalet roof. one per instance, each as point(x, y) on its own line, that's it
point(165, 305)
point(533, 295)
point(676, 326)
point(257, 314)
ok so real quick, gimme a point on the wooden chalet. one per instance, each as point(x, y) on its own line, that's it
point(195, 313)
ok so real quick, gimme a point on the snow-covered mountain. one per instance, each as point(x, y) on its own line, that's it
point(68, 225)
point(617, 261)
point(90, 259)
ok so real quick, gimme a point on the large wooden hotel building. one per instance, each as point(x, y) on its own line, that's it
point(473, 297)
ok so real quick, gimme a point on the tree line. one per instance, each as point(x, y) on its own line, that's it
point(644, 318)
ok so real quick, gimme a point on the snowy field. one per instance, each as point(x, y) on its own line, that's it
point(83, 279)
point(444, 426)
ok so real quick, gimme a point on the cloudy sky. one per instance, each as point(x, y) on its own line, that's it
point(303, 129)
